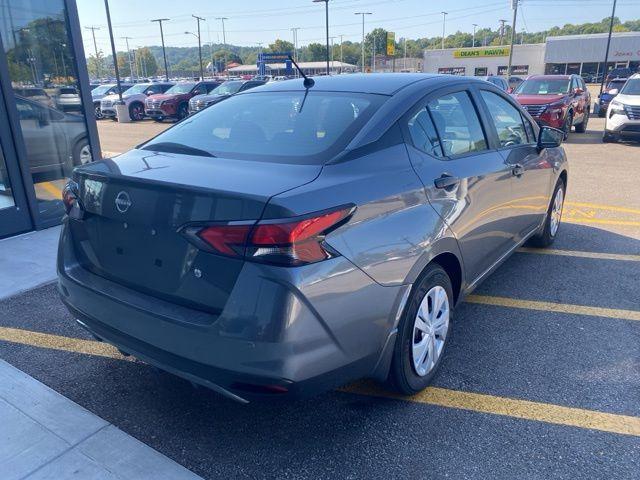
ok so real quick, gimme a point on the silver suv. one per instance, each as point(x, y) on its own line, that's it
point(133, 98)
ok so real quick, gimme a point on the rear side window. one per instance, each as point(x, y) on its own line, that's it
point(457, 124)
point(507, 120)
point(423, 133)
point(284, 127)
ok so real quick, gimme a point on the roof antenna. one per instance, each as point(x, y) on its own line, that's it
point(308, 82)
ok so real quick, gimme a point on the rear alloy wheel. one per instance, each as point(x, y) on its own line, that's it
point(423, 332)
point(582, 126)
point(136, 112)
point(552, 221)
point(82, 153)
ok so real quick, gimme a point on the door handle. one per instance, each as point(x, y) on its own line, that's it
point(517, 170)
point(446, 181)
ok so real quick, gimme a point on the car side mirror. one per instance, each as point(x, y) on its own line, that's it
point(549, 137)
point(510, 90)
point(613, 91)
point(43, 118)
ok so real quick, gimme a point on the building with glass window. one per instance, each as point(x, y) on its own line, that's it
point(45, 129)
point(577, 54)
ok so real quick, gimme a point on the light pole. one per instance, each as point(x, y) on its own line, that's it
point(224, 41)
point(295, 42)
point(113, 50)
point(363, 14)
point(326, 22)
point(404, 63)
point(502, 22)
point(606, 55)
point(164, 53)
point(473, 43)
point(95, 46)
point(444, 20)
point(126, 39)
point(514, 5)
point(341, 57)
point(199, 52)
point(200, 45)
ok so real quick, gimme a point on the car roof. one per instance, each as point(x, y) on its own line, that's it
point(378, 83)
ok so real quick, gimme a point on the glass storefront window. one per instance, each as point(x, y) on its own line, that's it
point(46, 93)
point(6, 195)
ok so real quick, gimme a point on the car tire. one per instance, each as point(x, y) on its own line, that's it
point(566, 126)
point(136, 112)
point(97, 112)
point(423, 332)
point(608, 137)
point(183, 111)
point(158, 119)
point(582, 126)
point(546, 236)
point(81, 153)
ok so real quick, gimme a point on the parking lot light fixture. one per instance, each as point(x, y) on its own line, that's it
point(199, 45)
point(363, 14)
point(326, 10)
point(164, 52)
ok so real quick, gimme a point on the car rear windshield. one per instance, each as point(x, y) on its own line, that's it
point(102, 89)
point(68, 91)
point(541, 86)
point(181, 88)
point(283, 127)
point(616, 84)
point(632, 87)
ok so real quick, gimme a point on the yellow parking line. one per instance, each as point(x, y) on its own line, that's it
point(51, 188)
point(475, 402)
point(511, 407)
point(597, 206)
point(601, 221)
point(57, 342)
point(580, 254)
point(554, 307)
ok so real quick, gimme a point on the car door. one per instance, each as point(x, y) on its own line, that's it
point(532, 174)
point(466, 180)
point(577, 102)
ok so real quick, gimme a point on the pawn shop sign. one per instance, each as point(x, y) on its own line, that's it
point(391, 44)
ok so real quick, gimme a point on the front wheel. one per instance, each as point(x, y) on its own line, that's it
point(423, 332)
point(582, 126)
point(82, 153)
point(608, 137)
point(183, 111)
point(552, 221)
point(566, 126)
point(136, 112)
point(97, 111)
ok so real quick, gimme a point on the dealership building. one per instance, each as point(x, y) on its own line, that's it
point(579, 54)
point(46, 121)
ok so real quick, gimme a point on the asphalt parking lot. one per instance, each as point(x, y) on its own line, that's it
point(541, 378)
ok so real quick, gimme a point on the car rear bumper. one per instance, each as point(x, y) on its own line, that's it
point(283, 333)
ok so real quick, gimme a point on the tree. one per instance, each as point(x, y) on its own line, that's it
point(147, 64)
point(379, 37)
point(281, 46)
point(315, 52)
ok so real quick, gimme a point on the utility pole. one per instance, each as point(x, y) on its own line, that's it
point(404, 63)
point(200, 45)
point(326, 22)
point(113, 50)
point(95, 46)
point(502, 22)
point(126, 39)
point(373, 56)
point(164, 52)
point(224, 42)
point(341, 57)
point(606, 55)
point(363, 14)
point(331, 38)
point(444, 19)
point(294, 30)
point(473, 43)
point(514, 5)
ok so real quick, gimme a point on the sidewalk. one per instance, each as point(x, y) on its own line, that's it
point(44, 435)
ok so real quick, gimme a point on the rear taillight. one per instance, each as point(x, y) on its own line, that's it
point(288, 242)
point(71, 197)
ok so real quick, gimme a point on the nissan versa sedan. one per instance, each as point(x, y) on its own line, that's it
point(307, 233)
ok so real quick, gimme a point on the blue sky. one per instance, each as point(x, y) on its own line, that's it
point(253, 21)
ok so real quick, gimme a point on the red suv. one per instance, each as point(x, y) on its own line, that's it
point(174, 103)
point(559, 101)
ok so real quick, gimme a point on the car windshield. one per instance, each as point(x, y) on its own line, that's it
point(285, 127)
point(632, 87)
point(68, 91)
point(227, 88)
point(616, 84)
point(139, 88)
point(102, 89)
point(185, 87)
point(541, 86)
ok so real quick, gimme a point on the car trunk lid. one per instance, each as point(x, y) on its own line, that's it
point(135, 205)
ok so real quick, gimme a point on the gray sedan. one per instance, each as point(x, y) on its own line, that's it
point(307, 233)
